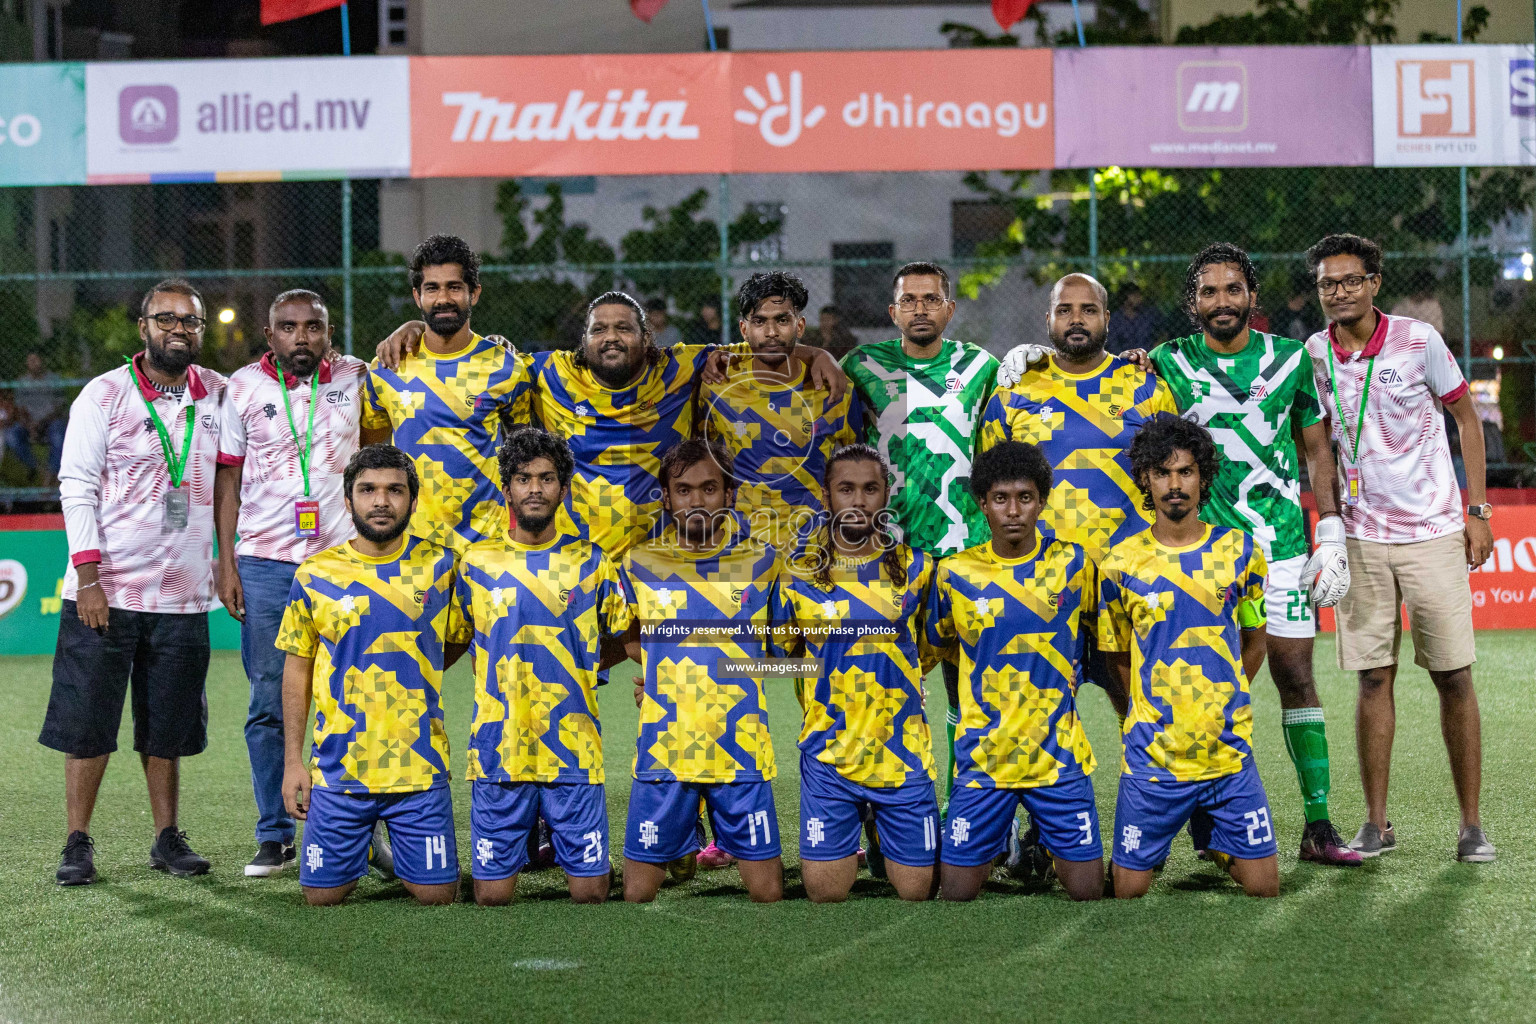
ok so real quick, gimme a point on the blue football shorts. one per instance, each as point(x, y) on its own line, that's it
point(976, 831)
point(663, 818)
point(1149, 814)
point(340, 827)
point(502, 815)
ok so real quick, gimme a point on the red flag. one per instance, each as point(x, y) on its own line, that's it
point(645, 10)
point(1007, 12)
point(273, 11)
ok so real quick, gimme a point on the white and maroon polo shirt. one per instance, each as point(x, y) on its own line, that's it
point(257, 437)
point(112, 484)
point(1408, 488)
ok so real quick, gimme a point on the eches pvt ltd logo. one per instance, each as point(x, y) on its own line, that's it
point(1436, 99)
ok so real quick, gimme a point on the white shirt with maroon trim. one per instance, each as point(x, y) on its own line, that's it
point(1408, 488)
point(256, 436)
point(112, 484)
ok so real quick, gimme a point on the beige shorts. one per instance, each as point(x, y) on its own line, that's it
point(1430, 578)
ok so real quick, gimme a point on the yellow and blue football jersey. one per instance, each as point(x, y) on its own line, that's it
point(781, 433)
point(697, 609)
point(446, 412)
point(1176, 611)
point(617, 439)
point(1017, 626)
point(1083, 423)
point(864, 715)
point(376, 629)
point(539, 615)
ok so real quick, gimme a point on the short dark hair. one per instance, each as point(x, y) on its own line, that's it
point(379, 456)
point(1212, 255)
point(297, 295)
point(1344, 245)
point(890, 554)
point(172, 286)
point(1007, 461)
point(832, 308)
point(657, 305)
point(774, 284)
point(923, 267)
point(686, 454)
point(441, 250)
point(524, 444)
point(1157, 440)
point(616, 298)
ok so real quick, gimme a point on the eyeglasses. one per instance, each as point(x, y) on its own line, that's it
point(168, 322)
point(1352, 283)
point(909, 304)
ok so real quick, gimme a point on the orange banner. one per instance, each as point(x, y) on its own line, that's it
point(925, 110)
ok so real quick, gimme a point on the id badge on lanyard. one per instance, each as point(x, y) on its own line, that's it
point(178, 508)
point(1352, 486)
point(306, 518)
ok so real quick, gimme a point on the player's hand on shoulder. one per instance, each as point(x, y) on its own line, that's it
point(405, 340)
point(717, 367)
point(1140, 357)
point(827, 376)
point(1020, 358)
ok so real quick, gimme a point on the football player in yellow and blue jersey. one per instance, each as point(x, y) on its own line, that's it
point(853, 599)
point(779, 428)
point(702, 594)
point(1182, 623)
point(369, 629)
point(1015, 613)
point(446, 403)
point(543, 605)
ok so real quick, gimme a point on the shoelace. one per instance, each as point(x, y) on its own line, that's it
point(178, 843)
point(75, 844)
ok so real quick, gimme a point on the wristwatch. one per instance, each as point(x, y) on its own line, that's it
point(1483, 511)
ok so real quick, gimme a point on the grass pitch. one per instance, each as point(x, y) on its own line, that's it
point(1412, 937)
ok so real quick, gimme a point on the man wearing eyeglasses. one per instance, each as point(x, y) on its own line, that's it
point(922, 396)
point(1383, 380)
point(136, 485)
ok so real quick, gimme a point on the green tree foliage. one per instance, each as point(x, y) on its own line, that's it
point(680, 234)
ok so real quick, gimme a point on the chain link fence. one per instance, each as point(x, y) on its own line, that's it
point(74, 262)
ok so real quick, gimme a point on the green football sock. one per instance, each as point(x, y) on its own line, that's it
point(1306, 741)
point(951, 722)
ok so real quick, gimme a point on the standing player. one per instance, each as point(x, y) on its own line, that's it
point(446, 402)
point(701, 594)
point(923, 396)
point(372, 622)
point(854, 601)
point(779, 429)
point(541, 604)
point(136, 485)
point(1182, 623)
point(288, 427)
point(1017, 609)
point(1248, 388)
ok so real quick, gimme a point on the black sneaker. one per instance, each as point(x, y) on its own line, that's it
point(873, 856)
point(173, 853)
point(380, 856)
point(1201, 825)
point(77, 864)
point(271, 857)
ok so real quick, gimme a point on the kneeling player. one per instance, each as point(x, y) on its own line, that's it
point(1183, 621)
point(541, 605)
point(373, 621)
point(701, 594)
point(1016, 609)
point(854, 600)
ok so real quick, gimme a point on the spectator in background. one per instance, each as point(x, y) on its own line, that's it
point(40, 421)
point(665, 332)
point(1135, 324)
point(706, 329)
point(831, 333)
point(1301, 318)
point(1421, 302)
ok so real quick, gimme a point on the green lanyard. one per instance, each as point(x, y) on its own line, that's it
point(174, 466)
point(309, 438)
point(1365, 396)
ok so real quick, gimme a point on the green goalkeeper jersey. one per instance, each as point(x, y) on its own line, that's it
point(1248, 401)
point(923, 417)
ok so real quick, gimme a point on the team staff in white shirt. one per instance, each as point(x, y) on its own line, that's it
point(289, 425)
point(136, 486)
point(1383, 381)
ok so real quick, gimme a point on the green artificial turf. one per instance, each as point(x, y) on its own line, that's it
point(1411, 937)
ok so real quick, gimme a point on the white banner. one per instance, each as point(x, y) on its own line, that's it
point(1448, 105)
point(248, 119)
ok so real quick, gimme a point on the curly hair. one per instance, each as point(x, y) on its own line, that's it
point(380, 456)
point(652, 352)
point(1007, 461)
point(687, 454)
point(1212, 255)
point(1155, 443)
point(524, 444)
point(441, 250)
point(890, 549)
point(774, 284)
point(1344, 245)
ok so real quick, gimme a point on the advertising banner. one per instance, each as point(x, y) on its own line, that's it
point(918, 110)
point(506, 116)
point(1452, 105)
point(42, 124)
point(1221, 106)
point(248, 120)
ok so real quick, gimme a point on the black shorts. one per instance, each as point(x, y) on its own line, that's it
point(166, 659)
